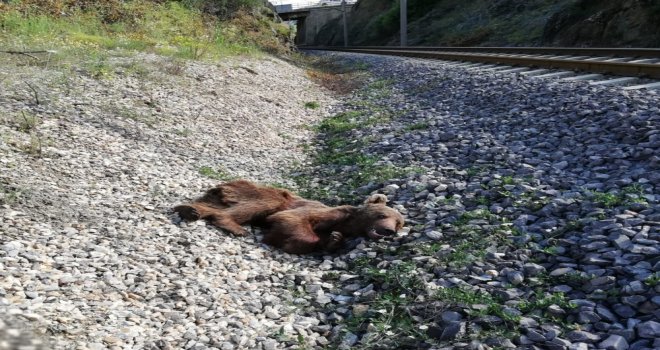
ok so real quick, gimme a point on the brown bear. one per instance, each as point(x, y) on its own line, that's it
point(312, 228)
point(294, 224)
point(240, 202)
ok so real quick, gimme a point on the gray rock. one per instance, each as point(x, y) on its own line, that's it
point(536, 336)
point(614, 342)
point(434, 235)
point(648, 329)
point(515, 277)
point(624, 311)
point(532, 269)
point(582, 336)
point(449, 316)
point(348, 340)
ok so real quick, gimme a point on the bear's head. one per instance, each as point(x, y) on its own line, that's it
point(379, 220)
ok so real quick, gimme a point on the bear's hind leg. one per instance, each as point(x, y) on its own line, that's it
point(218, 217)
point(226, 223)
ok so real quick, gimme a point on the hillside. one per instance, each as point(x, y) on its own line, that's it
point(504, 23)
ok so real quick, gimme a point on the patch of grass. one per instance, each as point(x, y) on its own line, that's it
point(653, 280)
point(135, 69)
point(574, 279)
point(550, 250)
point(330, 276)
point(333, 75)
point(133, 114)
point(97, 65)
point(508, 180)
point(466, 217)
point(170, 28)
point(216, 174)
point(428, 248)
point(608, 200)
point(474, 170)
point(465, 253)
point(482, 200)
point(380, 88)
point(10, 195)
point(541, 301)
point(341, 122)
point(312, 105)
point(27, 122)
point(282, 186)
point(460, 297)
point(417, 126)
point(388, 313)
point(380, 84)
point(185, 132)
point(628, 195)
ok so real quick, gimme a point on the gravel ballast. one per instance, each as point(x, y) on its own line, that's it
point(90, 259)
point(531, 206)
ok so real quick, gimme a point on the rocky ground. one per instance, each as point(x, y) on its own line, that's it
point(532, 208)
point(92, 158)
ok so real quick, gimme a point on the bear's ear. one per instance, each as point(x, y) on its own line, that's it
point(376, 199)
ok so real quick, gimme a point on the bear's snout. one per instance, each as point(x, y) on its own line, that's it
point(379, 232)
point(386, 232)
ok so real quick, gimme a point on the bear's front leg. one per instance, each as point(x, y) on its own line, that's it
point(187, 212)
point(332, 242)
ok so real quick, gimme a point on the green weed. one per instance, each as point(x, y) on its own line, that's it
point(185, 132)
point(312, 105)
point(27, 122)
point(417, 126)
point(628, 195)
point(216, 174)
point(341, 122)
point(10, 195)
point(508, 180)
point(169, 28)
point(653, 280)
point(541, 301)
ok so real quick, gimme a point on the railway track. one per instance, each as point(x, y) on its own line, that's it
point(630, 63)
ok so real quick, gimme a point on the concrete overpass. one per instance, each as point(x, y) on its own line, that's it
point(312, 16)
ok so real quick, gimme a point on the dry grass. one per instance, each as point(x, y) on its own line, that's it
point(336, 77)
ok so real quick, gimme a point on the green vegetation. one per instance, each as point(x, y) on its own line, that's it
point(653, 280)
point(10, 195)
point(71, 32)
point(216, 174)
point(27, 122)
point(312, 105)
point(388, 313)
point(417, 126)
point(185, 132)
point(628, 195)
point(339, 149)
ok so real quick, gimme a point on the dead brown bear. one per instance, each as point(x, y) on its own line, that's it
point(311, 228)
point(294, 224)
point(240, 202)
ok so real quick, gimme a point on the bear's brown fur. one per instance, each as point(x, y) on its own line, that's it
point(236, 203)
point(294, 224)
point(308, 229)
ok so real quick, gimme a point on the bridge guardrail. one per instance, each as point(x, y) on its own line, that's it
point(283, 7)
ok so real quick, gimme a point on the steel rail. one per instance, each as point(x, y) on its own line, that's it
point(650, 70)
